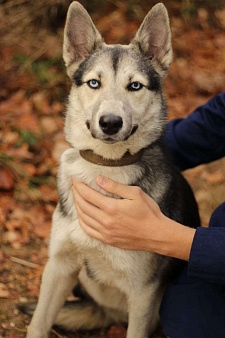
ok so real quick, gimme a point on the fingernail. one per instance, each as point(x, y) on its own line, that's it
point(101, 181)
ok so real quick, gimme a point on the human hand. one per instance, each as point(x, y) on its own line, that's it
point(127, 223)
point(134, 222)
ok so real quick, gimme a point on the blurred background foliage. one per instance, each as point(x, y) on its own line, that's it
point(32, 31)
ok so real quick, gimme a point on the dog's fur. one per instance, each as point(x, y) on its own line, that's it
point(123, 285)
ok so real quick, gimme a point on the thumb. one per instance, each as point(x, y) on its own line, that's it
point(122, 190)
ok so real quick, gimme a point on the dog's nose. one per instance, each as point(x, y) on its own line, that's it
point(110, 124)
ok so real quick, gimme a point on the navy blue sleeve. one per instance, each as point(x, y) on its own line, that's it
point(199, 138)
point(207, 258)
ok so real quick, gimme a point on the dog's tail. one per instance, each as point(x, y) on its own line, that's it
point(82, 315)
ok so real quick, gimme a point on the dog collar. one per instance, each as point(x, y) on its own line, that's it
point(126, 159)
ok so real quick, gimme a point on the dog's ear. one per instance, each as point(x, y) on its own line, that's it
point(80, 35)
point(154, 37)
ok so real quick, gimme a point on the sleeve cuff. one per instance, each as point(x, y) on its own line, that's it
point(207, 257)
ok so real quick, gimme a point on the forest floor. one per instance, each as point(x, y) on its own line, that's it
point(32, 104)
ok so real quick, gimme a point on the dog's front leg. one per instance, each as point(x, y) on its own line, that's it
point(57, 281)
point(143, 312)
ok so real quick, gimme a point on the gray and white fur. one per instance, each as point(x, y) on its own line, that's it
point(116, 104)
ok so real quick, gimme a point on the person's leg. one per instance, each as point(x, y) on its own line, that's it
point(193, 309)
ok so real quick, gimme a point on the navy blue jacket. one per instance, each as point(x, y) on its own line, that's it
point(198, 139)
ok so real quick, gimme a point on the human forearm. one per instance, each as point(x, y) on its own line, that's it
point(175, 240)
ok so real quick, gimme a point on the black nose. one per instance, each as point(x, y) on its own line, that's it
point(110, 124)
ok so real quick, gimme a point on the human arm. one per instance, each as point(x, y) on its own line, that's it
point(207, 258)
point(200, 137)
point(135, 222)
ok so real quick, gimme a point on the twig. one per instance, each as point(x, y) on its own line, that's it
point(14, 3)
point(57, 334)
point(25, 263)
point(20, 330)
point(52, 330)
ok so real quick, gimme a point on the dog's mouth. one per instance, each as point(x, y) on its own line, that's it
point(113, 138)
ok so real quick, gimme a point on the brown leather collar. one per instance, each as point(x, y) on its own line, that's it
point(127, 158)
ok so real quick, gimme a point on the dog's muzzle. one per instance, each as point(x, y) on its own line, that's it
point(110, 124)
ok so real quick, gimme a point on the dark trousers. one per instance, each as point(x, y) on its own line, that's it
point(193, 307)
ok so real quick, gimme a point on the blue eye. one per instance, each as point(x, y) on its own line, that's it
point(94, 84)
point(134, 86)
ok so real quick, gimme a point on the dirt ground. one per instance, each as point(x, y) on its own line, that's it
point(33, 93)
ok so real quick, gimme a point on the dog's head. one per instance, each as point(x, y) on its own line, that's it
point(116, 102)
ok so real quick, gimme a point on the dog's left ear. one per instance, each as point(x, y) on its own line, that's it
point(154, 37)
point(80, 35)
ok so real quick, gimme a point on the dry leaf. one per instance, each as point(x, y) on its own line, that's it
point(214, 178)
point(49, 124)
point(6, 179)
point(4, 293)
point(117, 331)
point(59, 147)
point(43, 230)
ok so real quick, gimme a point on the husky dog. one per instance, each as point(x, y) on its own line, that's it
point(114, 123)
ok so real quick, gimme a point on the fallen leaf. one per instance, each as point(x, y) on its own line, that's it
point(6, 179)
point(40, 102)
point(4, 293)
point(30, 169)
point(220, 14)
point(49, 124)
point(57, 107)
point(215, 178)
point(49, 194)
point(43, 230)
point(29, 121)
point(208, 83)
point(11, 137)
point(11, 236)
point(1, 256)
point(22, 151)
point(59, 147)
point(12, 103)
point(117, 331)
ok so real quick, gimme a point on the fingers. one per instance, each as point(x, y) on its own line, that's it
point(92, 227)
point(92, 196)
point(90, 231)
point(86, 219)
point(86, 207)
point(122, 190)
point(153, 206)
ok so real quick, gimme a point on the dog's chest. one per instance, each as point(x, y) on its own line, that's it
point(107, 264)
point(72, 165)
point(117, 268)
point(103, 263)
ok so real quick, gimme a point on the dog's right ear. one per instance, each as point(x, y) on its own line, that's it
point(80, 35)
point(154, 38)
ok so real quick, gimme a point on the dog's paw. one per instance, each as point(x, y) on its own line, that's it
point(27, 308)
point(34, 332)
